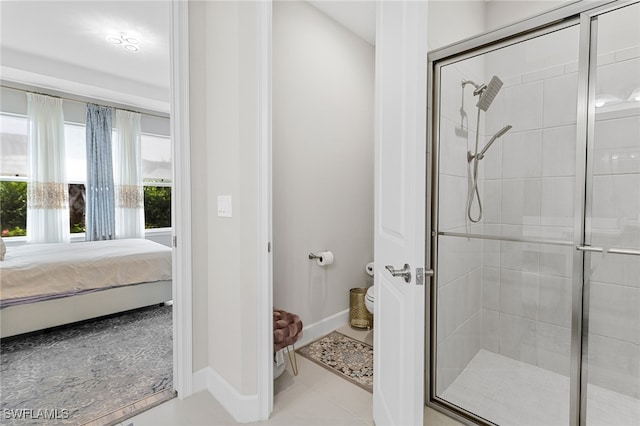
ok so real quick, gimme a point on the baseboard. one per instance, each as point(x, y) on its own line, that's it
point(323, 327)
point(243, 408)
point(246, 408)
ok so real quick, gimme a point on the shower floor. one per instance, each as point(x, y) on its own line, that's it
point(510, 392)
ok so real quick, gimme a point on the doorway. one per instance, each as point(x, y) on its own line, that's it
point(535, 307)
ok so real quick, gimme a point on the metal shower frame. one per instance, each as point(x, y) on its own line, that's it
point(576, 13)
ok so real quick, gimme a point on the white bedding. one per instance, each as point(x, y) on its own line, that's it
point(50, 269)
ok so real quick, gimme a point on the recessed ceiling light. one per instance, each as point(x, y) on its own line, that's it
point(128, 42)
point(114, 39)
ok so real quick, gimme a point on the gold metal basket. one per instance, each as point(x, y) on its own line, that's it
point(359, 316)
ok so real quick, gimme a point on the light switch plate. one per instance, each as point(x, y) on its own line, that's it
point(224, 206)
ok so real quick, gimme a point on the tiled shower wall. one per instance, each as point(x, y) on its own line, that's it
point(614, 327)
point(528, 192)
point(459, 259)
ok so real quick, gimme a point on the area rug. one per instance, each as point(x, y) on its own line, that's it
point(78, 374)
point(344, 356)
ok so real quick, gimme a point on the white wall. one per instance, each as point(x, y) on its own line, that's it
point(199, 182)
point(322, 160)
point(224, 149)
point(499, 13)
point(453, 21)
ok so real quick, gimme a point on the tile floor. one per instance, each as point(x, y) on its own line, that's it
point(515, 393)
point(314, 397)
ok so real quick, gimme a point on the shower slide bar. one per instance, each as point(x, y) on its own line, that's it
point(629, 252)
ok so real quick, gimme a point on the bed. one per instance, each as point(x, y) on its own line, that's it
point(47, 285)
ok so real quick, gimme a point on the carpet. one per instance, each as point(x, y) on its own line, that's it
point(344, 356)
point(79, 373)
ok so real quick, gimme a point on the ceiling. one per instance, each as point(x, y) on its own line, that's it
point(357, 16)
point(62, 45)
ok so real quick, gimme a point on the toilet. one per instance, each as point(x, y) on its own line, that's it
point(369, 298)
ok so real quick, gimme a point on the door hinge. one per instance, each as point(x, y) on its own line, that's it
point(175, 241)
point(269, 247)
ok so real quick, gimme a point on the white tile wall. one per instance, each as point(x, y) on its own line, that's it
point(614, 312)
point(616, 201)
point(491, 330)
point(521, 201)
point(519, 256)
point(554, 300)
point(521, 154)
point(523, 106)
point(528, 189)
point(559, 151)
point(560, 104)
point(613, 364)
point(519, 293)
point(558, 201)
point(452, 202)
point(617, 146)
point(455, 141)
point(491, 196)
point(518, 338)
point(457, 257)
point(554, 348)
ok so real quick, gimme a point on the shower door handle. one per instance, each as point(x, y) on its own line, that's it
point(405, 272)
point(630, 252)
point(590, 249)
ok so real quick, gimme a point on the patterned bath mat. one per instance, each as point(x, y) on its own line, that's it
point(344, 356)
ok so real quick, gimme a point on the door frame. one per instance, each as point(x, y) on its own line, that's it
point(181, 201)
point(575, 13)
point(260, 406)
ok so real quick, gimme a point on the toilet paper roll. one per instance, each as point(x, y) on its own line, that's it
point(369, 269)
point(326, 258)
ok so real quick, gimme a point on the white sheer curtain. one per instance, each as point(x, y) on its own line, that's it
point(47, 192)
point(127, 176)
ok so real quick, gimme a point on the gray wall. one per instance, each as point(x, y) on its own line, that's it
point(323, 87)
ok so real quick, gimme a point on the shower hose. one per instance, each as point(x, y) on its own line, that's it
point(473, 187)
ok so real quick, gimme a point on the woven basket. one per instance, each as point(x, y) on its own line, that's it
point(359, 316)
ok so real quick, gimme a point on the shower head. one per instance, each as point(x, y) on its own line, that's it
point(500, 133)
point(489, 93)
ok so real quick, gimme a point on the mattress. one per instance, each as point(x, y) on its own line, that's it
point(34, 272)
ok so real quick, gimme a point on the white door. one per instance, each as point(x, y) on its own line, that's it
point(400, 158)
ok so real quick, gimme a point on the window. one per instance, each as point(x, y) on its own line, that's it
point(156, 168)
point(13, 175)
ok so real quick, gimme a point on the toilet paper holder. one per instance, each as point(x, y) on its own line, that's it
point(314, 256)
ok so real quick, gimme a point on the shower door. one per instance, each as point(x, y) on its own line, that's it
point(611, 348)
point(535, 306)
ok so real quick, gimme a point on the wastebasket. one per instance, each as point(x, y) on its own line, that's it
point(359, 316)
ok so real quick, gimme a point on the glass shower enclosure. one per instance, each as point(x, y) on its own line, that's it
point(535, 305)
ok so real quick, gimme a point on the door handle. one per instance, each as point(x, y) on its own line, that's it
point(405, 272)
point(630, 252)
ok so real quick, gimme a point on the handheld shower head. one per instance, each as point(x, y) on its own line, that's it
point(499, 134)
point(489, 93)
